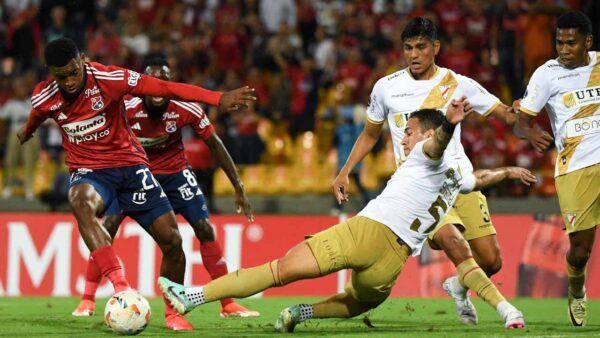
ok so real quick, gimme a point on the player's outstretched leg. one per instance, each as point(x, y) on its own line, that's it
point(213, 261)
point(581, 244)
point(292, 316)
point(464, 307)
point(87, 305)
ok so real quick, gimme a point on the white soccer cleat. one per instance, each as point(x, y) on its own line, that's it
point(464, 307)
point(513, 319)
point(578, 309)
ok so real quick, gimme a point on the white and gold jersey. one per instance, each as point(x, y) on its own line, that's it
point(397, 95)
point(572, 100)
point(418, 195)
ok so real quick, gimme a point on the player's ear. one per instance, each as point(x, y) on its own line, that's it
point(589, 42)
point(83, 57)
point(436, 46)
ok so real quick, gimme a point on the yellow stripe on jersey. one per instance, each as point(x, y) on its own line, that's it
point(375, 122)
point(440, 94)
point(492, 108)
point(527, 111)
point(571, 143)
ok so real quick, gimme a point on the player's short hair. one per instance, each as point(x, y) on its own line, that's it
point(59, 52)
point(428, 118)
point(577, 20)
point(156, 61)
point(420, 26)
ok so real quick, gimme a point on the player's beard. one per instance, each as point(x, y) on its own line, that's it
point(153, 109)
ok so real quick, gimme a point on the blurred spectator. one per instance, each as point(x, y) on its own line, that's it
point(489, 152)
point(485, 73)
point(457, 57)
point(23, 33)
point(507, 37)
point(135, 38)
point(15, 111)
point(477, 25)
point(449, 14)
point(58, 26)
point(275, 12)
point(538, 36)
point(105, 45)
point(354, 73)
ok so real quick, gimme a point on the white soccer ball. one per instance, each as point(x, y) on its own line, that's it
point(127, 312)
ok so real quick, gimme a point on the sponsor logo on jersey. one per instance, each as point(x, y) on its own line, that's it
point(170, 115)
point(97, 103)
point(171, 127)
point(92, 91)
point(56, 106)
point(445, 89)
point(393, 76)
point(148, 142)
point(402, 95)
point(61, 117)
point(204, 122)
point(136, 126)
point(186, 192)
point(133, 78)
point(568, 76)
point(582, 97)
point(81, 128)
point(140, 114)
point(139, 197)
point(583, 126)
point(571, 218)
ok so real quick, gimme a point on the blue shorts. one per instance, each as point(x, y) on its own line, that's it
point(137, 192)
point(183, 193)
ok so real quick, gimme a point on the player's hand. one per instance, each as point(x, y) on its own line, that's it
point(242, 205)
point(521, 174)
point(22, 137)
point(539, 139)
point(340, 188)
point(237, 99)
point(516, 106)
point(458, 110)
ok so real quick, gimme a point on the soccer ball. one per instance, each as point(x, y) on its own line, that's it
point(127, 312)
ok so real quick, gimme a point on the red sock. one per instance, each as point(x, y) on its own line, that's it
point(108, 263)
point(93, 276)
point(213, 260)
point(168, 307)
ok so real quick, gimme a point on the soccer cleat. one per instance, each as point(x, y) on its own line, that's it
point(236, 310)
point(464, 307)
point(288, 319)
point(578, 309)
point(175, 293)
point(513, 319)
point(177, 322)
point(84, 309)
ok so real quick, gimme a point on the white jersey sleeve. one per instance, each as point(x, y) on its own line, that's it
point(537, 93)
point(483, 102)
point(419, 155)
point(377, 111)
point(467, 183)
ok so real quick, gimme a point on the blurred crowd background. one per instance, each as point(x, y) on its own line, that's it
point(313, 64)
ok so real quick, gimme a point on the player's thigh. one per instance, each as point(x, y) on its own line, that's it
point(472, 208)
point(451, 219)
point(93, 187)
point(579, 198)
point(373, 283)
point(298, 263)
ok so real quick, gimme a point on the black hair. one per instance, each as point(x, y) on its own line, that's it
point(420, 26)
point(428, 118)
point(59, 52)
point(156, 61)
point(577, 20)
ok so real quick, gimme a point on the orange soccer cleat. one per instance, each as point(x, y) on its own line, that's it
point(236, 310)
point(176, 322)
point(85, 308)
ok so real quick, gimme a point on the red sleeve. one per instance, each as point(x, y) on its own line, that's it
point(140, 84)
point(199, 121)
point(36, 117)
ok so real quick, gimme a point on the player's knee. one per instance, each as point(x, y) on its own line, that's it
point(492, 265)
point(172, 245)
point(204, 231)
point(455, 247)
point(578, 257)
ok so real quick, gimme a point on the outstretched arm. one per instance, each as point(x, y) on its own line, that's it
point(505, 113)
point(487, 177)
point(228, 101)
point(457, 111)
point(217, 148)
point(361, 148)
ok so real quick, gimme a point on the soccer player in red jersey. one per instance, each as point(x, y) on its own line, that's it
point(157, 124)
point(105, 159)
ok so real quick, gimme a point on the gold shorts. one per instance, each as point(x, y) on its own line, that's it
point(470, 212)
point(367, 247)
point(579, 198)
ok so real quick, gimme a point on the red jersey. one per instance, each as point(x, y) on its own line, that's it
point(93, 125)
point(161, 135)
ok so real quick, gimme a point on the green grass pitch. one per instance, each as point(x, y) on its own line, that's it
point(399, 317)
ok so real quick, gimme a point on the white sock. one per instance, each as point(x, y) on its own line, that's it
point(458, 288)
point(195, 295)
point(306, 311)
point(504, 307)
